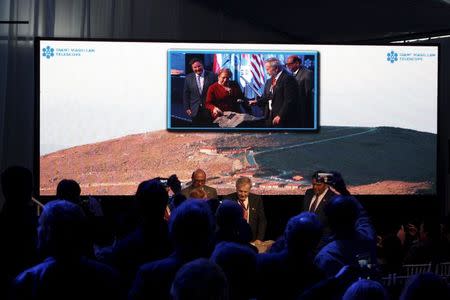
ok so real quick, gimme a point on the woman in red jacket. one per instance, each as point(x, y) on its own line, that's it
point(223, 95)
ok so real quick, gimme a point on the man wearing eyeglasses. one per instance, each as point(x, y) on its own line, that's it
point(304, 78)
point(199, 182)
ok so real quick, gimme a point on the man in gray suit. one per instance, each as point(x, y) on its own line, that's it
point(253, 207)
point(199, 183)
point(196, 85)
point(305, 81)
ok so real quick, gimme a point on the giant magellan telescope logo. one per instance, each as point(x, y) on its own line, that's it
point(48, 52)
point(392, 57)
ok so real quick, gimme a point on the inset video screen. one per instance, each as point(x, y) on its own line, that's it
point(113, 114)
point(232, 90)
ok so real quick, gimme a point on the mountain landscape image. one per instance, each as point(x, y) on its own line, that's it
point(372, 160)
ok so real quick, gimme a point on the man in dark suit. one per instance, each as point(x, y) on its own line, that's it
point(199, 184)
point(317, 197)
point(253, 207)
point(305, 82)
point(196, 85)
point(280, 98)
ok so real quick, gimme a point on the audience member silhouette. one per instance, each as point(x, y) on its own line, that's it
point(430, 246)
point(354, 237)
point(426, 286)
point(366, 290)
point(149, 241)
point(200, 279)
point(191, 229)
point(230, 225)
point(175, 196)
point(69, 190)
point(286, 274)
point(18, 226)
point(65, 273)
point(390, 255)
point(234, 271)
point(198, 193)
point(239, 265)
point(332, 288)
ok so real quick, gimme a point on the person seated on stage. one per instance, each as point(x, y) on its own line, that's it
point(223, 95)
point(253, 207)
point(199, 181)
point(66, 273)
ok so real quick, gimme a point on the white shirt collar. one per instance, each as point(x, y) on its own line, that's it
point(278, 75)
point(319, 198)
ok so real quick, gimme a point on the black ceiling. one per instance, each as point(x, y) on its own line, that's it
point(341, 21)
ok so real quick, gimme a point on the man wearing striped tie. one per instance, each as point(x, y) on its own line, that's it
point(316, 197)
point(253, 208)
point(280, 97)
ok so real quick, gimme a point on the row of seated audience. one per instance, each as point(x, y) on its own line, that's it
point(194, 248)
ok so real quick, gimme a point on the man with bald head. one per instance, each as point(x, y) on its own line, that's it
point(305, 82)
point(199, 182)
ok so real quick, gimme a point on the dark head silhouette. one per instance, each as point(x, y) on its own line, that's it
point(191, 228)
point(151, 200)
point(365, 290)
point(17, 185)
point(200, 279)
point(342, 213)
point(228, 214)
point(62, 230)
point(174, 183)
point(69, 190)
point(231, 226)
point(426, 286)
point(239, 265)
point(430, 229)
point(303, 233)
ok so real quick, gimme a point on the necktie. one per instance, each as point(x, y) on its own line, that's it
point(314, 204)
point(274, 81)
point(199, 84)
point(244, 210)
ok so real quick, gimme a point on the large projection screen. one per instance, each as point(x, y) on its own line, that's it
point(106, 111)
